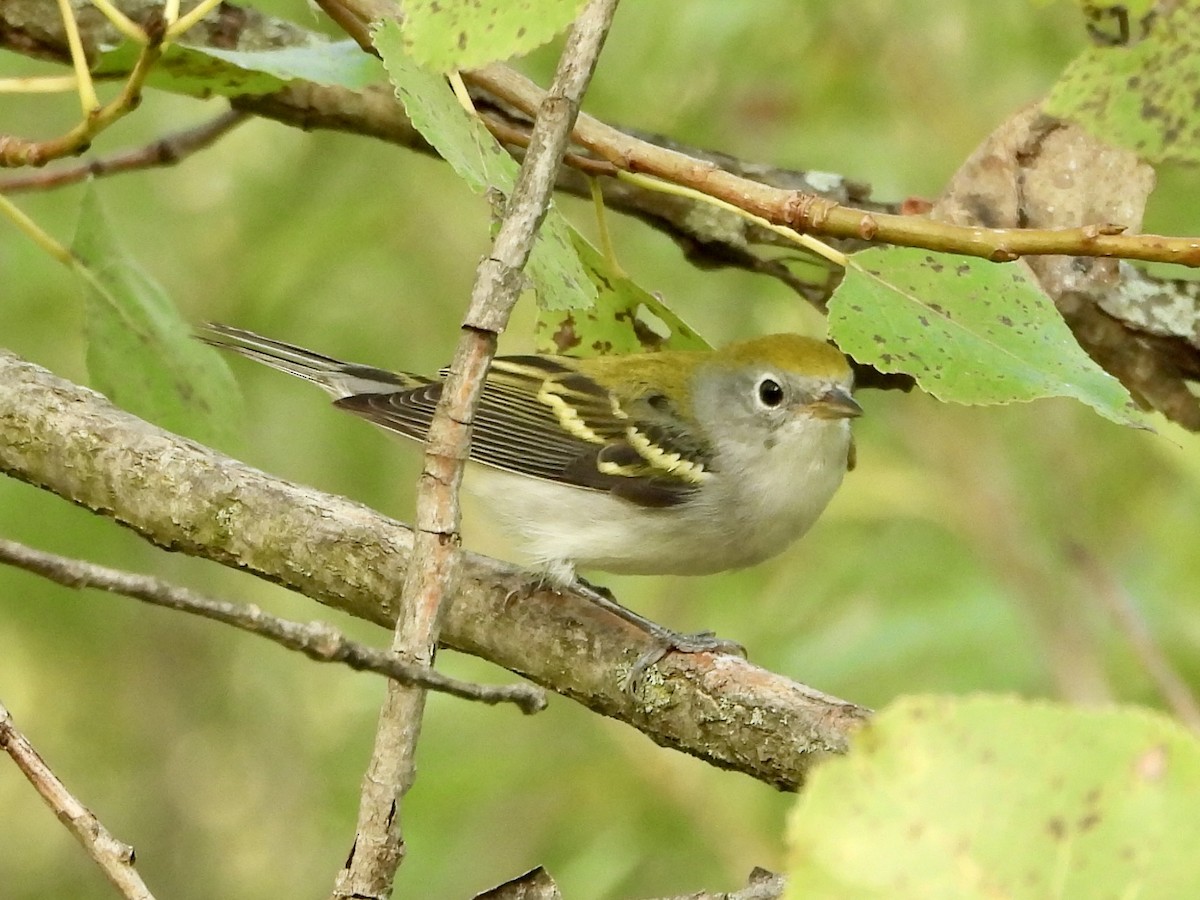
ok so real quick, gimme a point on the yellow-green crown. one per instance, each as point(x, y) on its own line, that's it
point(789, 352)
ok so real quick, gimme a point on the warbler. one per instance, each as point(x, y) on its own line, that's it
point(675, 462)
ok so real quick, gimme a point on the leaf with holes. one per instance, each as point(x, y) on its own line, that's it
point(968, 331)
point(460, 138)
point(988, 797)
point(140, 352)
point(625, 318)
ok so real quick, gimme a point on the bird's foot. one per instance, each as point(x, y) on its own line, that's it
point(668, 641)
point(665, 640)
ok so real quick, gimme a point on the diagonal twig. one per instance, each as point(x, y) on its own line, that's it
point(810, 213)
point(434, 573)
point(1173, 687)
point(166, 151)
point(115, 858)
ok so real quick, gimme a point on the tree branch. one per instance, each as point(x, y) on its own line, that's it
point(813, 214)
point(166, 151)
point(316, 640)
point(115, 858)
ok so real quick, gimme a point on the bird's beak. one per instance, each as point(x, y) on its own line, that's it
point(835, 403)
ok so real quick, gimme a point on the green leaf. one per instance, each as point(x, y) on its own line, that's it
point(461, 139)
point(140, 351)
point(1142, 95)
point(447, 35)
point(625, 318)
point(458, 137)
point(990, 797)
point(558, 277)
point(208, 71)
point(339, 63)
point(968, 331)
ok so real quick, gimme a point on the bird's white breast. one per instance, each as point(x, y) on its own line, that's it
point(758, 501)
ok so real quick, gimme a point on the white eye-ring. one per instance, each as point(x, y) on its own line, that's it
point(769, 392)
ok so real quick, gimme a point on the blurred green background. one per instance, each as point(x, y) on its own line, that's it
point(949, 561)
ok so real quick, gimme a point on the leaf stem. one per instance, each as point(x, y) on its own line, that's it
point(191, 18)
point(807, 241)
point(122, 22)
point(461, 93)
point(606, 244)
point(47, 84)
point(36, 233)
point(83, 78)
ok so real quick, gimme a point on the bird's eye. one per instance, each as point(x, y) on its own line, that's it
point(770, 393)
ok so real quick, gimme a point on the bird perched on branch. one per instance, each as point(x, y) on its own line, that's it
point(679, 462)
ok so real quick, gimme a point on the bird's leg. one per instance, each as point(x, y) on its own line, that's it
point(666, 641)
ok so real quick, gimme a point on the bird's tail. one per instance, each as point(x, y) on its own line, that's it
point(341, 379)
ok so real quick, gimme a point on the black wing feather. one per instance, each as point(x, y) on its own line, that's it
point(519, 427)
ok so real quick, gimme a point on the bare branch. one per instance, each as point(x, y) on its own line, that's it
point(167, 151)
point(188, 498)
point(316, 640)
point(536, 884)
point(115, 859)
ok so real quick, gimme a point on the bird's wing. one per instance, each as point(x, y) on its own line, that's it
point(540, 417)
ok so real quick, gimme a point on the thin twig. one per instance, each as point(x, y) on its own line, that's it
point(1170, 683)
point(433, 575)
point(16, 151)
point(167, 151)
point(316, 640)
point(115, 858)
point(813, 214)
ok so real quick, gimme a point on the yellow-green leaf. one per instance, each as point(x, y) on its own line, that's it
point(1141, 95)
point(626, 318)
point(446, 35)
point(986, 797)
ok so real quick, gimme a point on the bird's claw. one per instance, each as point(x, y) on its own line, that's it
point(667, 641)
point(663, 640)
